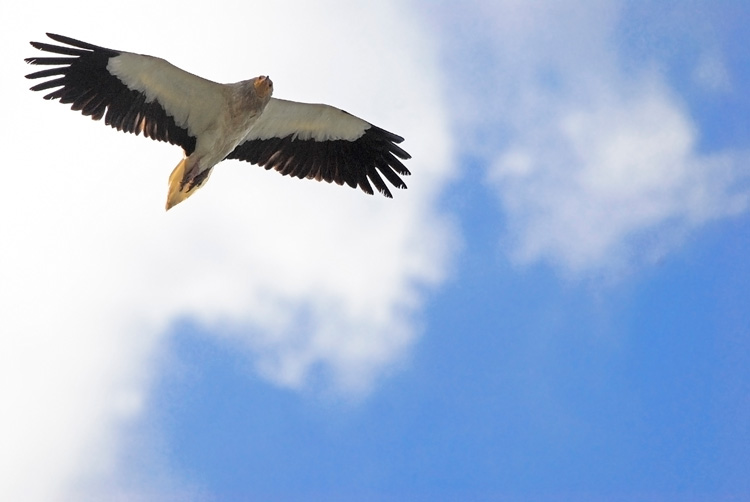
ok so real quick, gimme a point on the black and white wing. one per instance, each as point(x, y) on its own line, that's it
point(324, 143)
point(133, 93)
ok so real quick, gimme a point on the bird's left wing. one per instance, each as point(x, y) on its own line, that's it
point(133, 92)
point(324, 143)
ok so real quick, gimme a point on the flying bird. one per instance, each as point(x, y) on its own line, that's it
point(212, 122)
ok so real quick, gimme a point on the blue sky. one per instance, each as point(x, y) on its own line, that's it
point(556, 309)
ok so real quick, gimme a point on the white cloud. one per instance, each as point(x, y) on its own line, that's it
point(607, 178)
point(596, 163)
point(305, 277)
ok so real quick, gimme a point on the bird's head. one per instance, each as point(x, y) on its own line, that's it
point(263, 87)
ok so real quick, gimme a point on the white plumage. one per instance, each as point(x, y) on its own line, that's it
point(212, 122)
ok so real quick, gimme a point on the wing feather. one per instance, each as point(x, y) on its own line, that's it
point(87, 81)
point(324, 143)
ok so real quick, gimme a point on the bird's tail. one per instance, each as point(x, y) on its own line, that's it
point(185, 180)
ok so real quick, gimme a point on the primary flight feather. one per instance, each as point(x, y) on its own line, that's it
point(211, 122)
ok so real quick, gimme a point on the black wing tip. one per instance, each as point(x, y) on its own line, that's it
point(76, 43)
point(388, 160)
point(387, 193)
point(53, 36)
point(390, 139)
point(67, 48)
point(67, 54)
point(384, 191)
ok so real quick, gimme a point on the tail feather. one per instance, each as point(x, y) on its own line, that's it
point(184, 181)
point(176, 194)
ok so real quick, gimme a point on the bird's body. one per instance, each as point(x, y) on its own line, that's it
point(218, 134)
point(212, 122)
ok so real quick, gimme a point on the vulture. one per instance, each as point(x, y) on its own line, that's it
point(136, 93)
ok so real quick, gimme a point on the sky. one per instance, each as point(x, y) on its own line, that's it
point(555, 309)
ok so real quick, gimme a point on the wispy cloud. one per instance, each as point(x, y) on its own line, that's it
point(711, 73)
point(596, 159)
point(612, 180)
point(306, 278)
